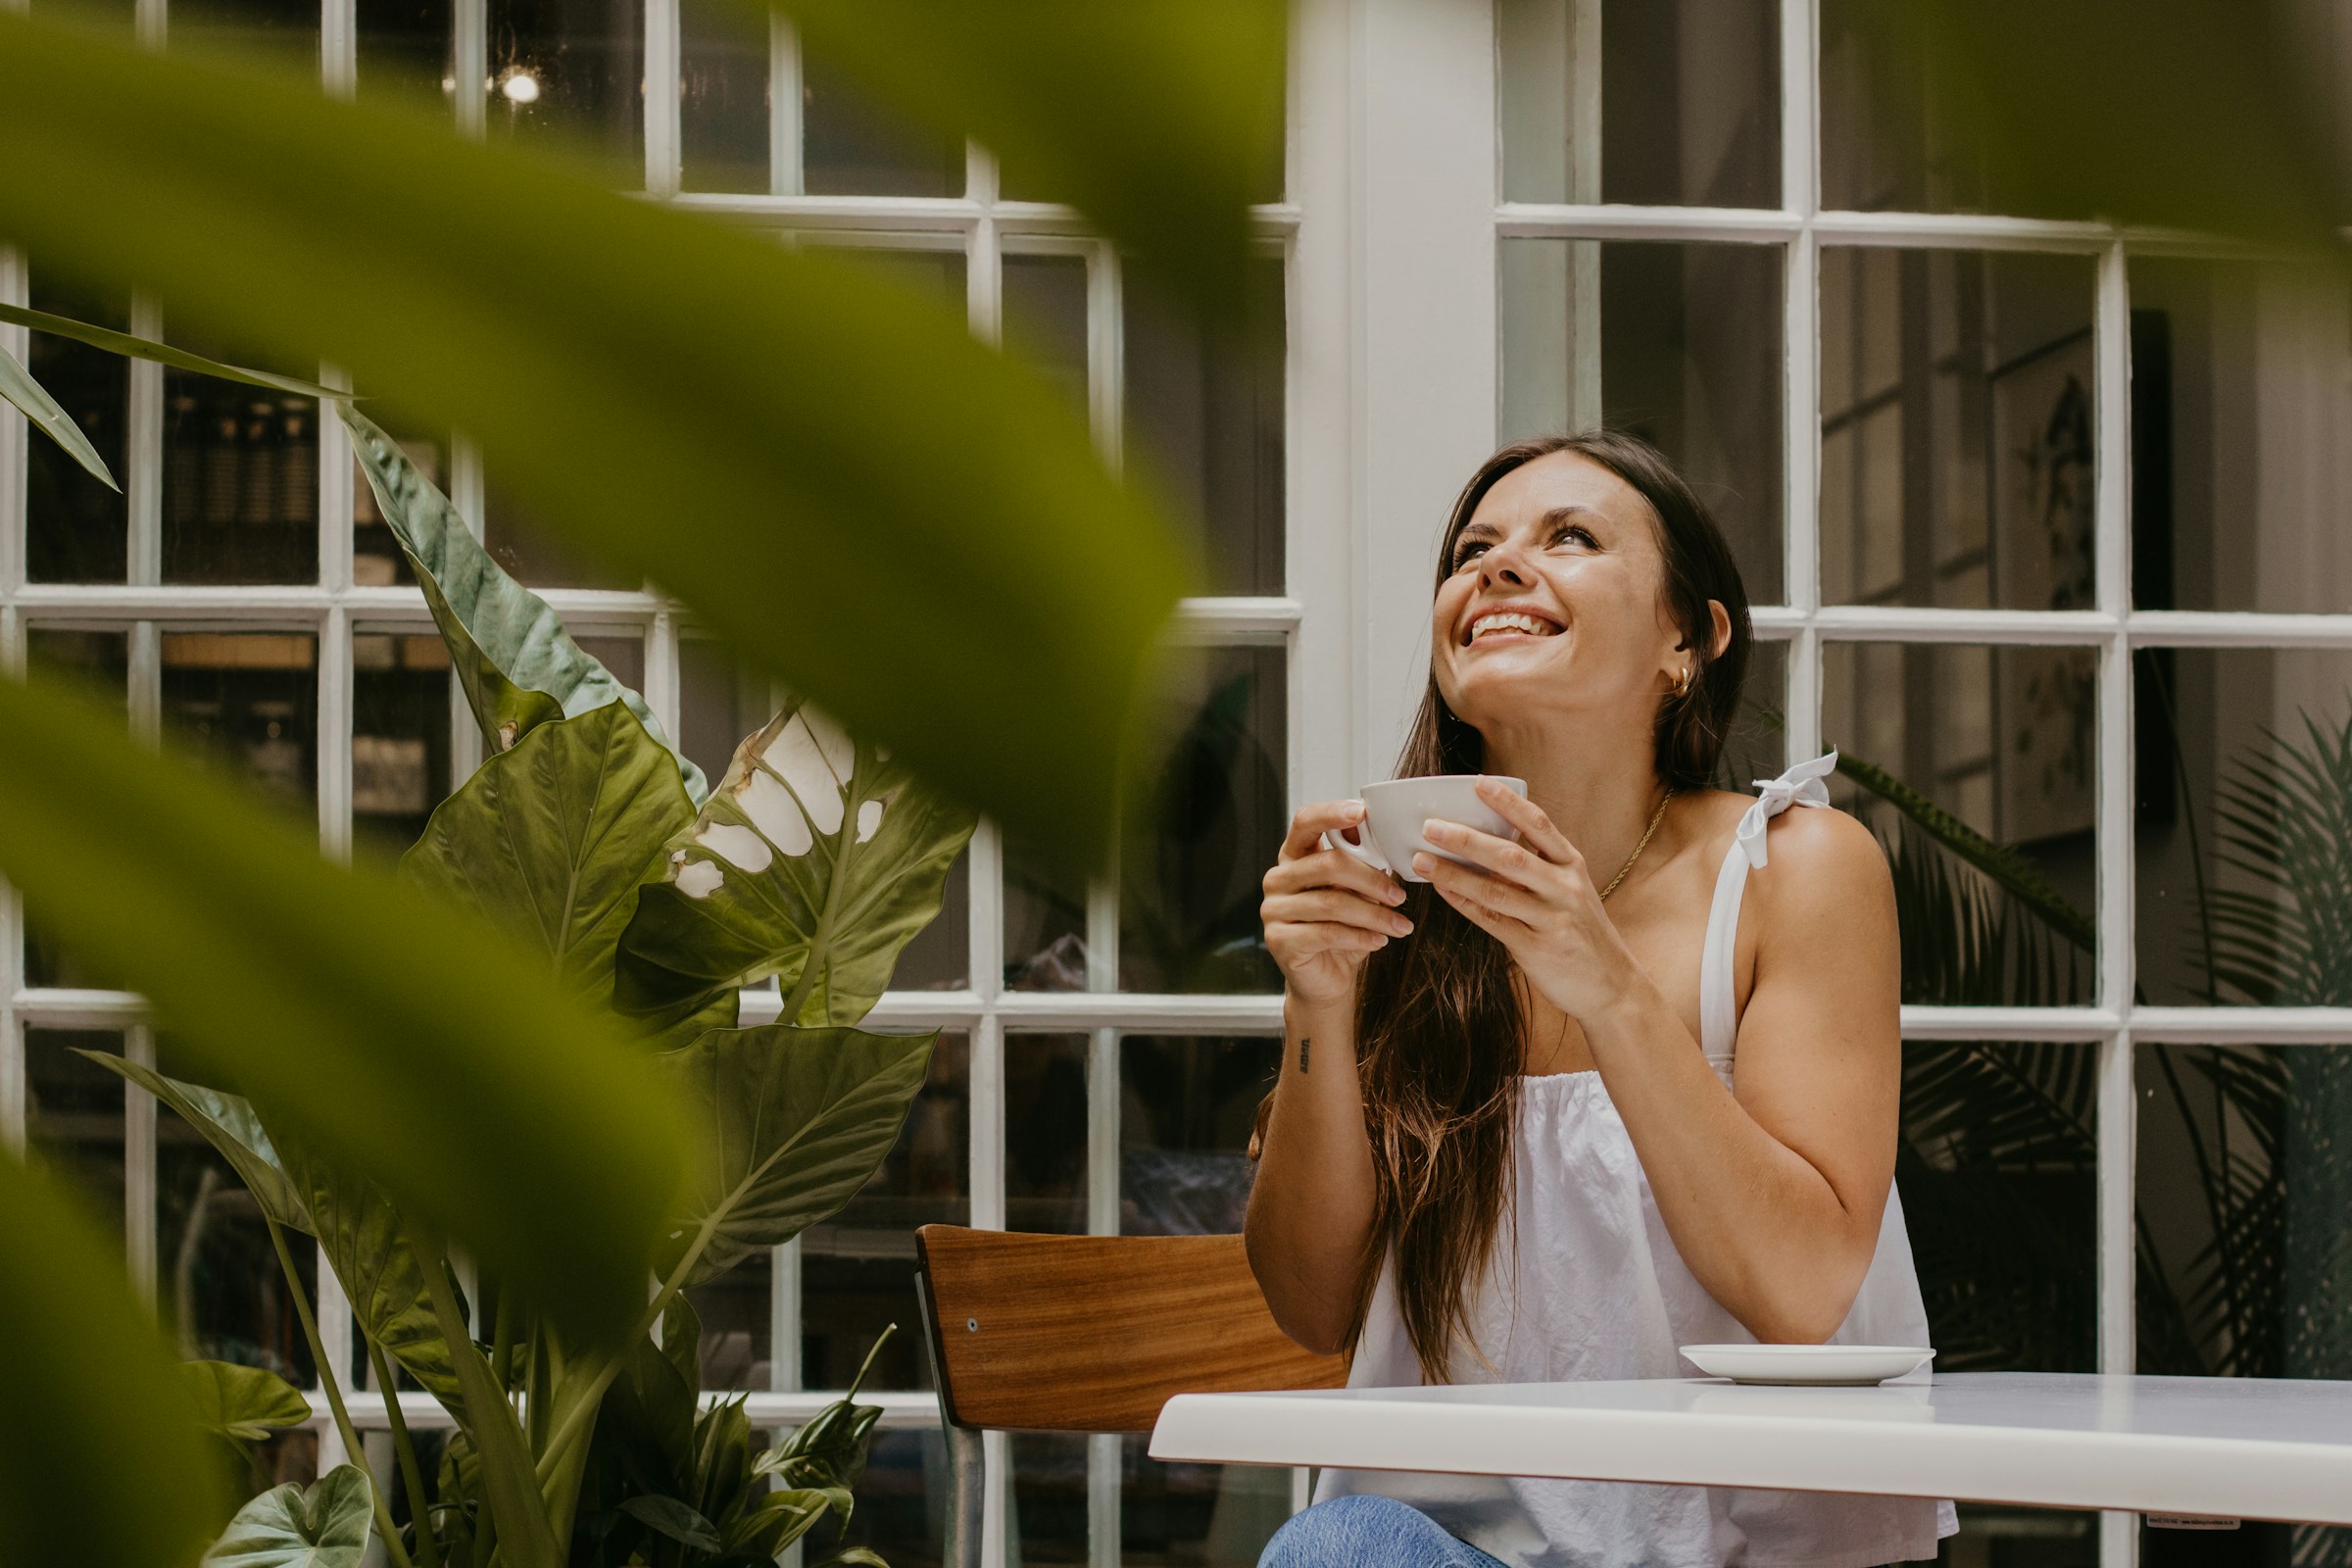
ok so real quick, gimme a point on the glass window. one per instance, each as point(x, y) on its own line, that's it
point(2005, 740)
point(1998, 1173)
point(79, 528)
point(240, 477)
point(575, 70)
point(1046, 927)
point(400, 734)
point(285, 30)
point(404, 52)
point(1217, 1516)
point(2243, 858)
point(1887, 138)
point(721, 701)
point(1958, 458)
point(723, 57)
point(2237, 377)
point(100, 663)
point(1050, 1496)
point(73, 1120)
point(250, 699)
point(1196, 850)
point(1045, 1133)
point(1655, 104)
point(1205, 418)
point(1044, 318)
point(1186, 1106)
point(738, 1319)
point(901, 1500)
point(1678, 344)
point(535, 555)
point(854, 146)
point(620, 650)
point(857, 1268)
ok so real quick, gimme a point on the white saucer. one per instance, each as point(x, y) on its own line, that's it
point(1807, 1363)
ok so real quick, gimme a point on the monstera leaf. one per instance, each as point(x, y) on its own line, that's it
point(552, 838)
point(286, 1527)
point(228, 1123)
point(816, 860)
point(244, 1403)
point(791, 1122)
point(519, 665)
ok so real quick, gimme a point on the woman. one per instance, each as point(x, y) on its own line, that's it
point(1508, 1142)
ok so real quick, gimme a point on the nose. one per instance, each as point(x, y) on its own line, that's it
point(1504, 564)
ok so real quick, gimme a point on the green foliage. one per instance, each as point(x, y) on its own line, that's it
point(147, 348)
point(244, 1404)
point(287, 1527)
point(20, 390)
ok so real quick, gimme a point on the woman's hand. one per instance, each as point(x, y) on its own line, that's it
point(1537, 900)
point(1324, 909)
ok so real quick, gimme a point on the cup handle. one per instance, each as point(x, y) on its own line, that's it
point(1362, 852)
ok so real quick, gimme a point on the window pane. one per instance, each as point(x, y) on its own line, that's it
point(2006, 740)
point(1883, 143)
point(738, 1317)
point(1209, 1515)
point(376, 559)
point(1957, 455)
point(1633, 101)
point(219, 1285)
point(286, 30)
point(100, 663)
point(1998, 1172)
point(404, 52)
point(400, 734)
point(1050, 1494)
point(902, 1502)
point(1044, 318)
point(575, 70)
point(252, 699)
point(2238, 382)
point(1045, 1134)
point(2243, 863)
point(852, 146)
point(721, 701)
point(1195, 852)
point(1680, 344)
point(1185, 1108)
point(939, 959)
point(857, 1268)
point(537, 555)
point(723, 98)
point(1045, 946)
point(79, 528)
point(1205, 416)
point(240, 477)
point(621, 651)
point(73, 1126)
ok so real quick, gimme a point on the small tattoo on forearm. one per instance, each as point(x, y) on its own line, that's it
point(1303, 1043)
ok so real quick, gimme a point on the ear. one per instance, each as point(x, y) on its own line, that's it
point(1721, 637)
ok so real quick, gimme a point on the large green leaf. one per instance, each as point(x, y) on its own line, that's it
point(816, 860)
point(791, 1122)
point(32, 400)
point(244, 1403)
point(286, 1527)
point(753, 427)
point(228, 1123)
point(88, 1396)
point(407, 1035)
point(1163, 119)
point(510, 650)
point(552, 839)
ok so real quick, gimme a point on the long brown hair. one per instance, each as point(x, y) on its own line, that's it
point(1439, 1020)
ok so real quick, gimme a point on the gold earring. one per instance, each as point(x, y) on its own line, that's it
point(1682, 682)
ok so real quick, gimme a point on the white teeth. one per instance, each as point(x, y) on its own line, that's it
point(1510, 620)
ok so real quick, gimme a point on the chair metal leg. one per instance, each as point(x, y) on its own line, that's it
point(967, 1468)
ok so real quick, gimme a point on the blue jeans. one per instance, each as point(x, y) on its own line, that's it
point(1368, 1532)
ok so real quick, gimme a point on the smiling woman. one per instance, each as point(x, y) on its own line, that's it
point(1522, 1153)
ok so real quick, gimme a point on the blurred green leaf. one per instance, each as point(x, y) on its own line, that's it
point(412, 1040)
point(672, 1518)
point(228, 1123)
point(518, 664)
point(147, 348)
point(816, 861)
point(1163, 119)
point(552, 839)
point(905, 526)
point(244, 1403)
point(33, 401)
point(286, 1527)
point(87, 1393)
point(790, 1123)
point(2199, 113)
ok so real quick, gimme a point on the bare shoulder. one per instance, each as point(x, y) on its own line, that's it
point(1823, 867)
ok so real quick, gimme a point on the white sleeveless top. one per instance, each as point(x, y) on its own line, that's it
point(1586, 1284)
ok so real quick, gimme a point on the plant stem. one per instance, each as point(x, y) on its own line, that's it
point(420, 1507)
point(502, 1345)
point(577, 1419)
point(335, 1396)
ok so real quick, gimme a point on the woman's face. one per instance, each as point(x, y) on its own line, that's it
point(1553, 604)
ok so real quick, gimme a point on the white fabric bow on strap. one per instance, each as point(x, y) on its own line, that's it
point(1802, 785)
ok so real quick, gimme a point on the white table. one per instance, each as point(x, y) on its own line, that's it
point(2231, 1447)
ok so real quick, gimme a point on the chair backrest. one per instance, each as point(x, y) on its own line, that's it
point(1095, 1333)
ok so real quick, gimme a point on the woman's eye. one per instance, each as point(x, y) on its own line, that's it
point(1575, 534)
point(1466, 554)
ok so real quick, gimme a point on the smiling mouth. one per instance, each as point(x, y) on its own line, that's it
point(1509, 622)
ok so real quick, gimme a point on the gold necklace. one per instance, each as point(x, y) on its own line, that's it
point(1656, 818)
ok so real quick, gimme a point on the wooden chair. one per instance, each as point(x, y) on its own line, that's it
point(1088, 1333)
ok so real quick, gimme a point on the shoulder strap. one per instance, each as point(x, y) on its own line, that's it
point(1718, 1015)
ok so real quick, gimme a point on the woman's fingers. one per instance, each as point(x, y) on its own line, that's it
point(1505, 928)
point(1500, 856)
point(1534, 823)
point(1300, 941)
point(1307, 828)
point(1333, 868)
point(1330, 905)
point(1483, 889)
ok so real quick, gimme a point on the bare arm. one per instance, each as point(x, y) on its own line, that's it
point(1773, 1196)
point(1310, 1210)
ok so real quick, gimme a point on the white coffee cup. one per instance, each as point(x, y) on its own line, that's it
point(1397, 809)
